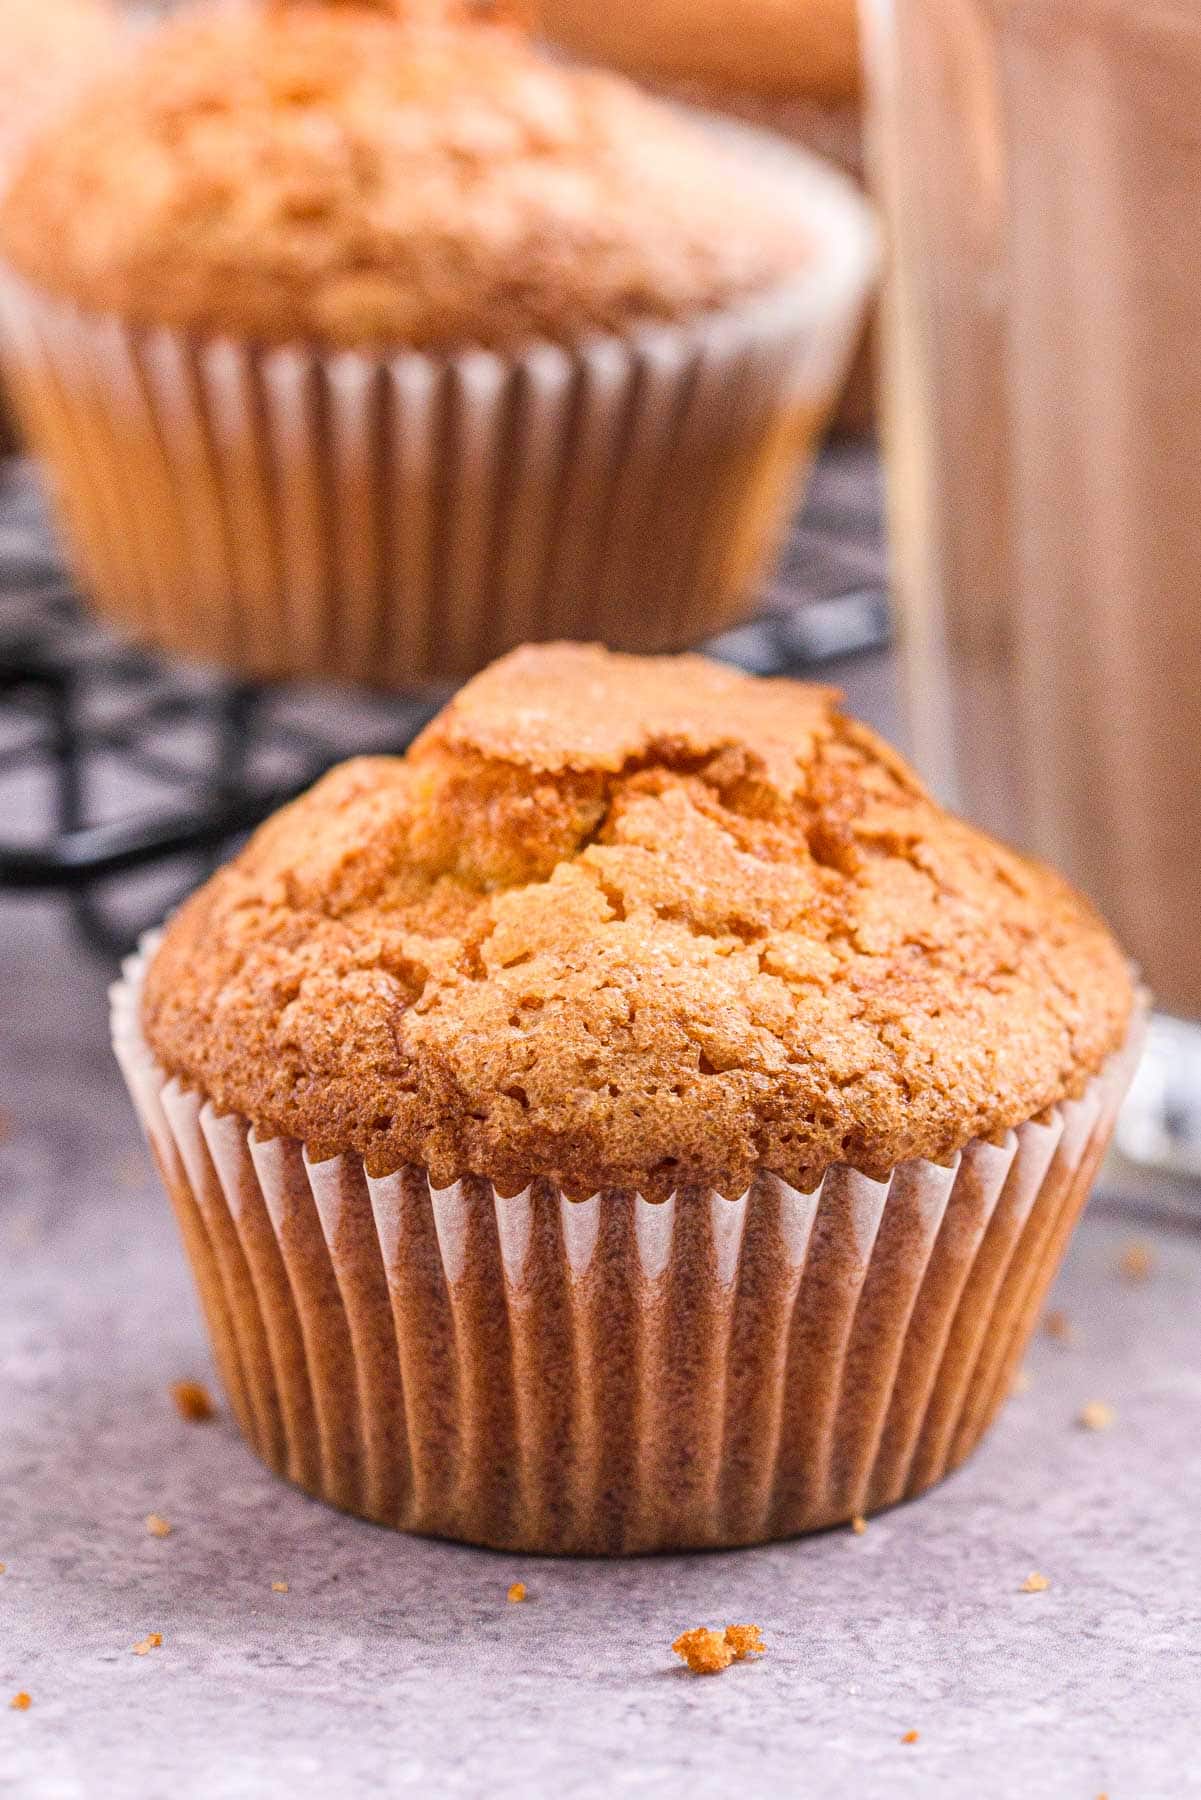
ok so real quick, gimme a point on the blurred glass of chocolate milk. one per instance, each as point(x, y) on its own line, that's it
point(1040, 165)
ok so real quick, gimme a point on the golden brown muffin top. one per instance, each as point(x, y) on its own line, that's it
point(354, 174)
point(635, 923)
point(49, 49)
point(772, 49)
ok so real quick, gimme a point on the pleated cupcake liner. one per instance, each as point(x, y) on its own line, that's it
point(403, 519)
point(614, 1375)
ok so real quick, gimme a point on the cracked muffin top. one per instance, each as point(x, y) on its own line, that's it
point(633, 923)
point(396, 174)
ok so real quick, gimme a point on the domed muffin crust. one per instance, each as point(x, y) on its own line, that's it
point(633, 923)
point(335, 174)
point(775, 49)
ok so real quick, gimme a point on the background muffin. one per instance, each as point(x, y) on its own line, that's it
point(654, 1038)
point(791, 65)
point(421, 344)
point(48, 50)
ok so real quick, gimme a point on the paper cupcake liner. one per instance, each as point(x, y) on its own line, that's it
point(613, 1375)
point(404, 519)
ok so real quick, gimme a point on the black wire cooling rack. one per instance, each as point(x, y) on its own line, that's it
point(124, 778)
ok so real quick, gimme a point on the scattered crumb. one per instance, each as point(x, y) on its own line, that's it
point(152, 1641)
point(1057, 1325)
point(193, 1400)
point(706, 1652)
point(1035, 1583)
point(1137, 1261)
point(3, 1568)
point(6, 1131)
point(157, 1526)
point(709, 1652)
point(1097, 1415)
point(859, 1524)
point(910, 1737)
point(517, 1592)
point(21, 1702)
point(279, 1587)
point(1021, 1382)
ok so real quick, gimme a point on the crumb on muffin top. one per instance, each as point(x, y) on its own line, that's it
point(353, 174)
point(770, 49)
point(633, 923)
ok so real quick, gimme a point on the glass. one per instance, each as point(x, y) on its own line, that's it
point(1039, 163)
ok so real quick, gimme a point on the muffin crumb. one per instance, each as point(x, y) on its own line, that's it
point(517, 1592)
point(6, 1126)
point(157, 1526)
point(192, 1400)
point(21, 1702)
point(705, 1652)
point(152, 1641)
point(708, 1652)
point(3, 1568)
point(859, 1524)
point(1097, 1415)
point(1035, 1583)
point(1057, 1325)
point(910, 1737)
point(279, 1587)
point(1137, 1261)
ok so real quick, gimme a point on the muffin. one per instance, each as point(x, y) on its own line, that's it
point(789, 65)
point(48, 50)
point(366, 345)
point(638, 1118)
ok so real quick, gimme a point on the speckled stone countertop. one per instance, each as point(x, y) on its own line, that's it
point(394, 1665)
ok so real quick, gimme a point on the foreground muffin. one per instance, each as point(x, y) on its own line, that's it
point(366, 345)
point(637, 1118)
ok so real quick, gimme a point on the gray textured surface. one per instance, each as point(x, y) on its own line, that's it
point(395, 1666)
